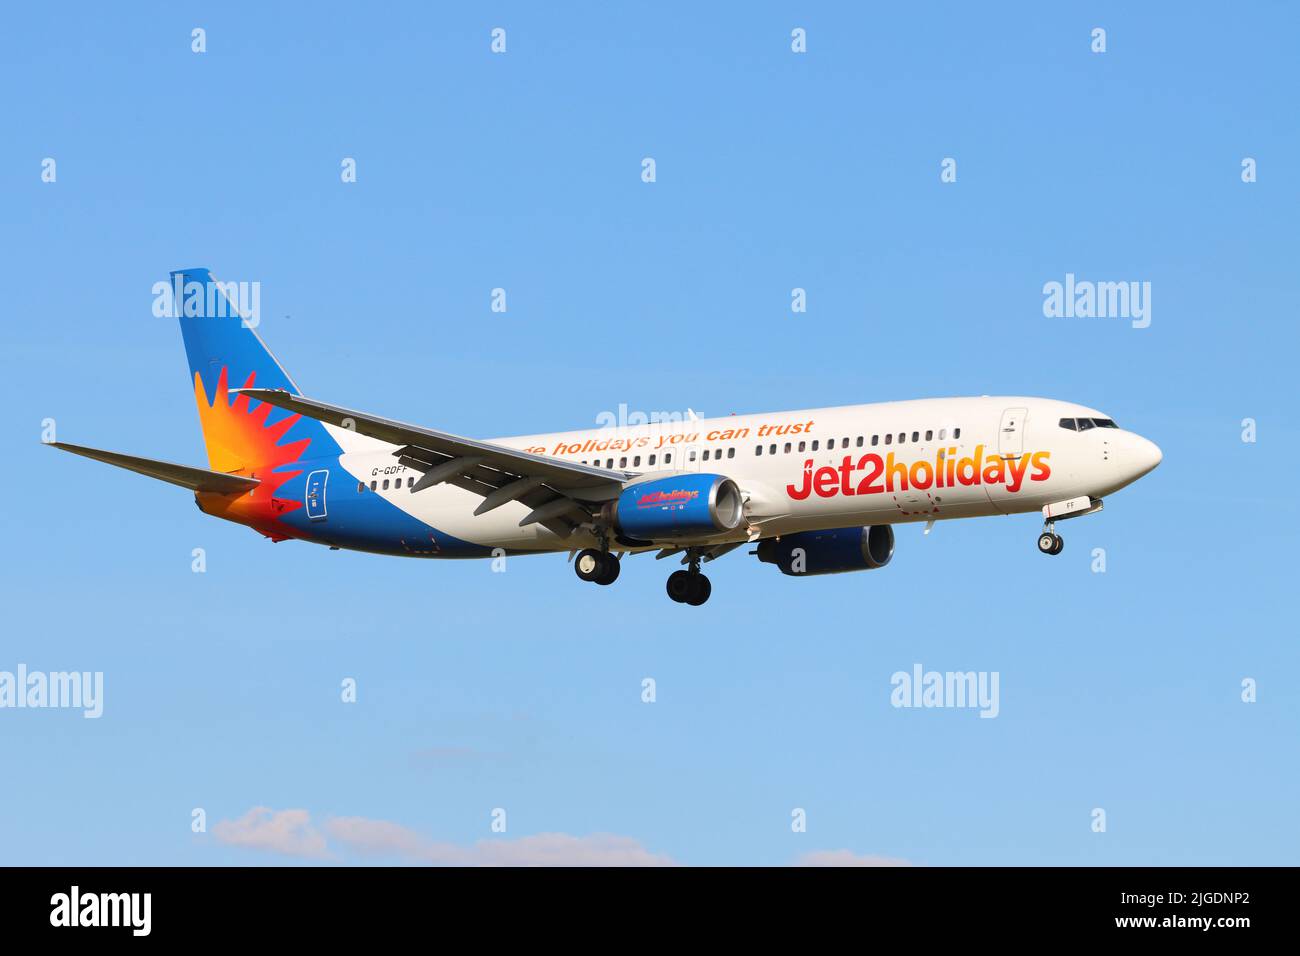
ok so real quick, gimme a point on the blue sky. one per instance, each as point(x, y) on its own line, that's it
point(522, 690)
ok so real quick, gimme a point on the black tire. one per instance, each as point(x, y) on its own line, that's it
point(679, 586)
point(700, 591)
point(609, 568)
point(1046, 542)
point(588, 564)
point(1059, 546)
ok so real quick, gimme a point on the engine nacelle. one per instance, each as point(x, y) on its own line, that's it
point(830, 552)
point(678, 506)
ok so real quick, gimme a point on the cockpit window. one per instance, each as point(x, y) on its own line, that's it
point(1083, 424)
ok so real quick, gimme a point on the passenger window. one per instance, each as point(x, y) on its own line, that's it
point(830, 444)
point(361, 486)
point(875, 440)
point(787, 448)
point(772, 450)
point(916, 436)
point(902, 437)
point(956, 433)
point(410, 482)
point(943, 434)
point(814, 447)
point(609, 462)
point(636, 462)
point(1068, 423)
point(374, 486)
point(731, 453)
point(929, 434)
point(706, 454)
point(652, 460)
point(385, 484)
point(860, 441)
point(668, 458)
point(692, 458)
point(889, 439)
point(758, 449)
point(803, 445)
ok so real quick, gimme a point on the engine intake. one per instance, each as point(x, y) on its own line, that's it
point(830, 552)
point(679, 506)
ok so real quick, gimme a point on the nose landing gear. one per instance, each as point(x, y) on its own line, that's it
point(1049, 542)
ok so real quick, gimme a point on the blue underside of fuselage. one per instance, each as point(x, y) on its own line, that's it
point(363, 520)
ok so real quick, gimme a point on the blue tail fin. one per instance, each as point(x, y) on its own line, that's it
point(218, 322)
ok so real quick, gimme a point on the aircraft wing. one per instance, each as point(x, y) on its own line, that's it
point(560, 493)
point(196, 479)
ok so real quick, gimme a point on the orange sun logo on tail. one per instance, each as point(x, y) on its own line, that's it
point(241, 442)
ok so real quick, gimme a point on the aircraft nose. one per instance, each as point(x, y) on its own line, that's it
point(1144, 455)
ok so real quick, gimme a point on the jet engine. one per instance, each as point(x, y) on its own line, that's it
point(678, 506)
point(829, 552)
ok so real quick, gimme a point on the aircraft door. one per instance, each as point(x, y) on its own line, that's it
point(1011, 433)
point(1011, 449)
point(316, 482)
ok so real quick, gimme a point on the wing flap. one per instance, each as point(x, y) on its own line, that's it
point(487, 466)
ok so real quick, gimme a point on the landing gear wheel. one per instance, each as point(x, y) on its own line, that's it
point(598, 566)
point(1049, 542)
point(588, 564)
point(680, 586)
point(610, 566)
point(700, 590)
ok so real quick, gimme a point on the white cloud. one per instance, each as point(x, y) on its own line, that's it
point(561, 849)
point(846, 858)
point(279, 831)
point(382, 838)
point(291, 832)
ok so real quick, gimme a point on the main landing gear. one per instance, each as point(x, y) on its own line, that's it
point(689, 586)
point(599, 566)
point(1049, 542)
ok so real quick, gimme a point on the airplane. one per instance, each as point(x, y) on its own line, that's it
point(815, 491)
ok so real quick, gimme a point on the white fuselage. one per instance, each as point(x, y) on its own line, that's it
point(886, 463)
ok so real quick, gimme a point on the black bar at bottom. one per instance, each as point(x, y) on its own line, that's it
point(335, 904)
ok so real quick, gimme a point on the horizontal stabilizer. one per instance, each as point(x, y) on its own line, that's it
point(196, 479)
